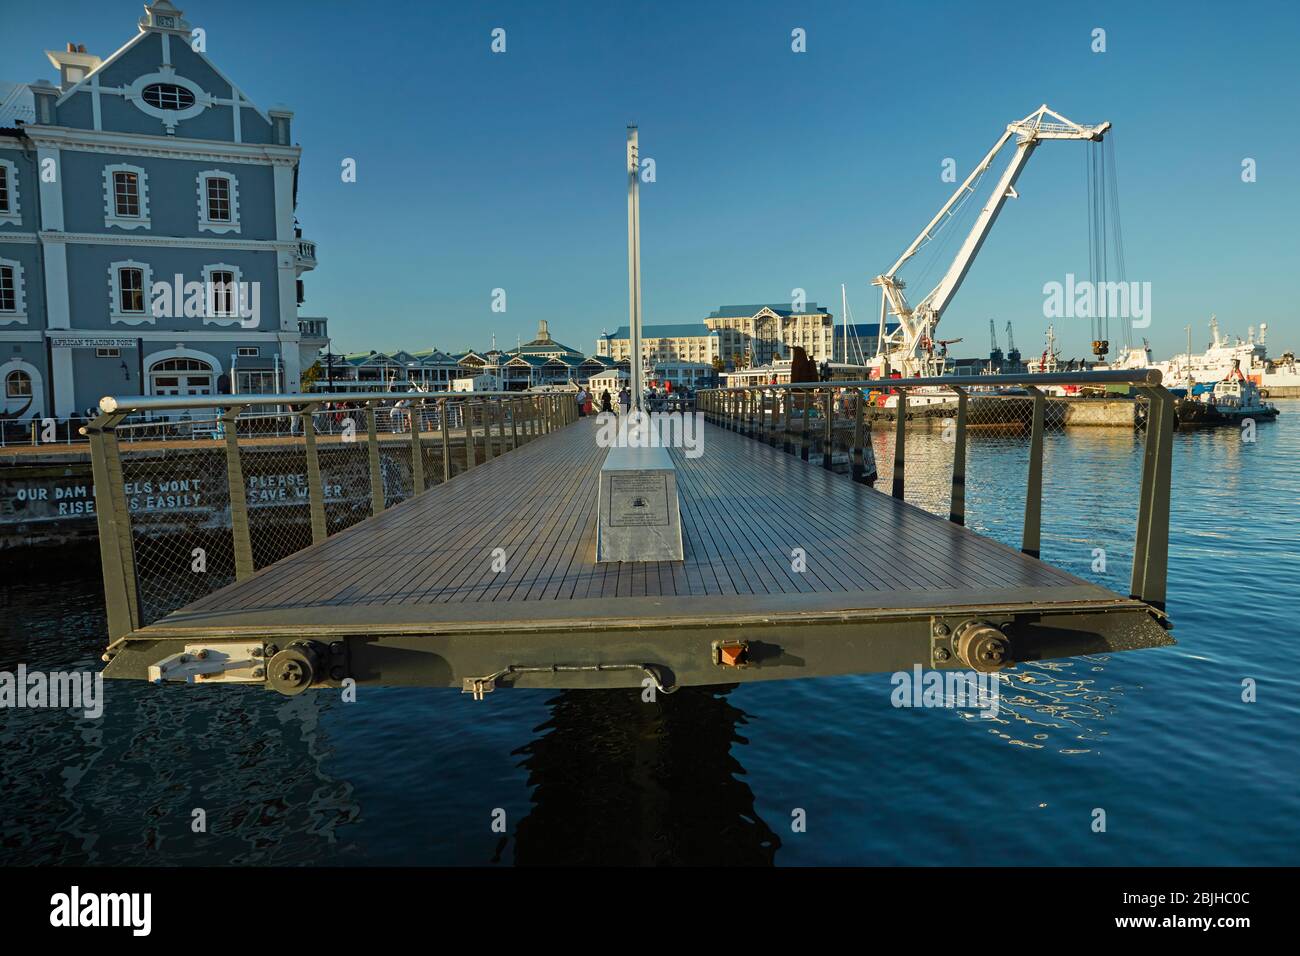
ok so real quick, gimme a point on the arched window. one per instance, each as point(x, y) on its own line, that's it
point(18, 384)
point(181, 376)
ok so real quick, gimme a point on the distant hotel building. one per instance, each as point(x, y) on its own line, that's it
point(136, 170)
point(739, 335)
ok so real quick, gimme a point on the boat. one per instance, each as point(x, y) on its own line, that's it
point(1231, 401)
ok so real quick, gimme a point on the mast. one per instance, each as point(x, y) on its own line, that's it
point(634, 265)
point(844, 321)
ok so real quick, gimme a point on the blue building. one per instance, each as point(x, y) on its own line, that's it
point(147, 234)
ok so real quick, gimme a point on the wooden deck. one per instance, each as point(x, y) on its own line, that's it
point(424, 569)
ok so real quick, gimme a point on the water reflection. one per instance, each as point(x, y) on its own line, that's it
point(619, 781)
point(1051, 704)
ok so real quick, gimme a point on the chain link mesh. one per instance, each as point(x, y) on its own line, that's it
point(176, 478)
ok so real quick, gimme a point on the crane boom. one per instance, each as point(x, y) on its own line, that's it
point(916, 324)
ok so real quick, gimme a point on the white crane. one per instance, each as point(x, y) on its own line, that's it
point(916, 324)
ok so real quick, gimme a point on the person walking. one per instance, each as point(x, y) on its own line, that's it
point(605, 401)
point(624, 400)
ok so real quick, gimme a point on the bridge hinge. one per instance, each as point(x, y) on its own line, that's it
point(221, 663)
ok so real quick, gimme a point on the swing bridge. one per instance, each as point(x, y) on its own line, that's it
point(450, 540)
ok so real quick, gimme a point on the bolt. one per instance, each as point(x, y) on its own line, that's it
point(941, 630)
point(202, 654)
point(941, 654)
point(258, 672)
point(257, 652)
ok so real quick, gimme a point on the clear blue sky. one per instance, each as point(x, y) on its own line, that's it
point(775, 170)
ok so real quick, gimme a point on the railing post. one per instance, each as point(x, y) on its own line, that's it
point(787, 409)
point(805, 437)
point(315, 490)
point(417, 453)
point(376, 468)
point(1151, 546)
point(489, 413)
point(514, 424)
point(445, 410)
point(828, 429)
point(900, 442)
point(957, 497)
point(858, 466)
point(1033, 532)
point(467, 422)
point(241, 537)
point(116, 548)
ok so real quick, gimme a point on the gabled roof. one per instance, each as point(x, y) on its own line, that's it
point(780, 308)
point(534, 361)
point(675, 330)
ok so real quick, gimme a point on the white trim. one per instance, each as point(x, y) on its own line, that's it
point(37, 407)
point(115, 313)
point(289, 247)
point(215, 225)
point(19, 315)
point(153, 358)
point(169, 118)
point(210, 315)
point(13, 216)
point(111, 217)
point(166, 147)
point(27, 238)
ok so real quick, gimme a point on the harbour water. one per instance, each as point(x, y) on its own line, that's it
point(1161, 740)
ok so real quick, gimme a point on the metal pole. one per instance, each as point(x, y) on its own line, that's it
point(900, 442)
point(858, 467)
point(1151, 547)
point(241, 538)
point(1034, 486)
point(417, 452)
point(445, 410)
point(634, 263)
point(957, 498)
point(467, 422)
point(116, 548)
point(315, 490)
point(376, 473)
point(828, 429)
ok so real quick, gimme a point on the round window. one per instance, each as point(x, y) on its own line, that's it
point(168, 96)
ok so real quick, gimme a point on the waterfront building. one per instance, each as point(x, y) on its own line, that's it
point(673, 342)
point(147, 234)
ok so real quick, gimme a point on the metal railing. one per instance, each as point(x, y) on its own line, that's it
point(181, 520)
point(839, 417)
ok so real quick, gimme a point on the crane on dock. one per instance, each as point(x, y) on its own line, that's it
point(902, 349)
point(1013, 353)
point(995, 353)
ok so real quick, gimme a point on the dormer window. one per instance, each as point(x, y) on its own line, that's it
point(168, 96)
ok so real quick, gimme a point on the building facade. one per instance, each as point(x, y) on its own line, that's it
point(148, 243)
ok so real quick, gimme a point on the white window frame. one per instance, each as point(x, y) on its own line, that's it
point(19, 315)
point(248, 351)
point(211, 317)
point(134, 93)
point(111, 218)
point(209, 225)
point(13, 215)
point(115, 313)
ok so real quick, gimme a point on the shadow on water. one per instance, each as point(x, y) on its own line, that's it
point(619, 781)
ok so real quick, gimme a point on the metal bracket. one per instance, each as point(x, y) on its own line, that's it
point(226, 663)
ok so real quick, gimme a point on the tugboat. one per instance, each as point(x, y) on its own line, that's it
point(1231, 401)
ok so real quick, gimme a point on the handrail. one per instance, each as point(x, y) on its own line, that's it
point(744, 409)
point(152, 403)
point(1141, 376)
point(491, 424)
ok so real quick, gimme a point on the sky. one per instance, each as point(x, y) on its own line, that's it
point(774, 170)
